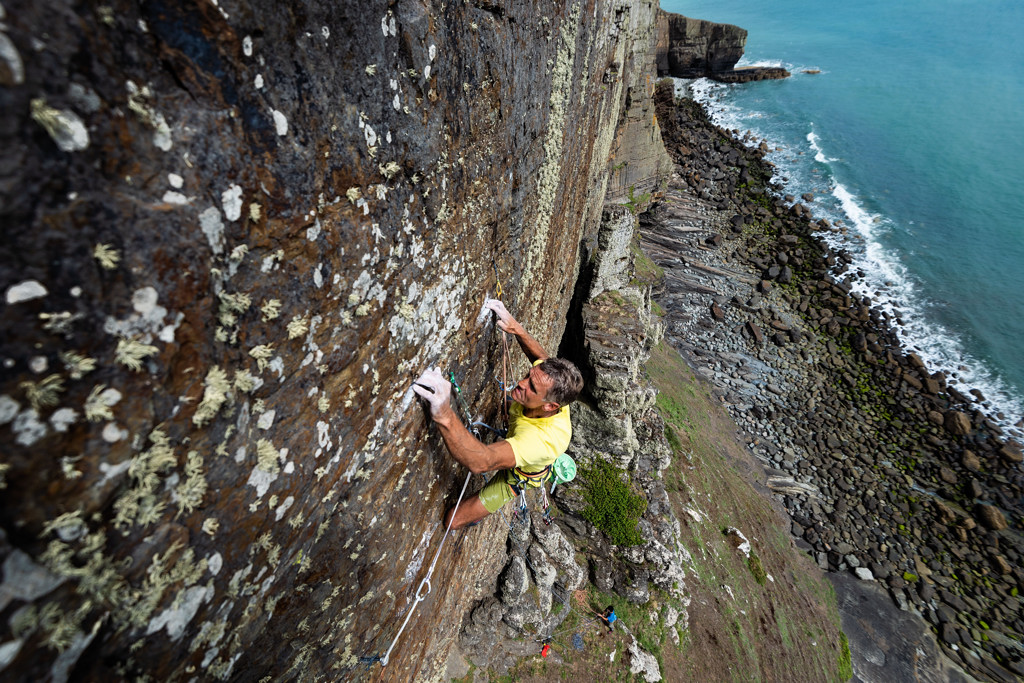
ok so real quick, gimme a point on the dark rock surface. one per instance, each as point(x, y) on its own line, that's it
point(234, 231)
point(888, 644)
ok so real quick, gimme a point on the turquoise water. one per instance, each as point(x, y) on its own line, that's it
point(910, 136)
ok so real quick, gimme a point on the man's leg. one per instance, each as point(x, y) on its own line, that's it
point(490, 499)
point(469, 511)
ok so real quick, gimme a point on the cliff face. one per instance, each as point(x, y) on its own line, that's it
point(691, 48)
point(235, 232)
point(695, 48)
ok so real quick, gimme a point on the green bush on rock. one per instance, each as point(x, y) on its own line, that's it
point(612, 504)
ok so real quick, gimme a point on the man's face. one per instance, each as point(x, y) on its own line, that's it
point(532, 390)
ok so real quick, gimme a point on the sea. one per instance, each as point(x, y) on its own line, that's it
point(904, 121)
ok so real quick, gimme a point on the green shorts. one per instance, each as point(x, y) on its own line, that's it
point(497, 492)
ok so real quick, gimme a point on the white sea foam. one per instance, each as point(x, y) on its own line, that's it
point(819, 154)
point(877, 271)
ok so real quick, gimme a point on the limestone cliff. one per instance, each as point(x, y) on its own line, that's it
point(234, 232)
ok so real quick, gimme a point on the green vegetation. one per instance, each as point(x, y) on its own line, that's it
point(645, 271)
point(612, 504)
point(845, 661)
point(636, 204)
point(756, 569)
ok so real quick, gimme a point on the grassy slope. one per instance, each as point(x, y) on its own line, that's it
point(773, 619)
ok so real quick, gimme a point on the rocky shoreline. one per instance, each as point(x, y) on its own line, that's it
point(886, 471)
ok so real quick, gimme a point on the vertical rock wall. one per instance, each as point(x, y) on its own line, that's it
point(234, 232)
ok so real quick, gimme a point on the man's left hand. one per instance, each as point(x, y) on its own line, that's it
point(435, 389)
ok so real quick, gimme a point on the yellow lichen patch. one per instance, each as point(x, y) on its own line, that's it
point(4, 468)
point(210, 526)
point(131, 353)
point(267, 457)
point(244, 381)
point(107, 256)
point(67, 467)
point(323, 404)
point(76, 364)
point(255, 212)
point(214, 395)
point(353, 194)
point(139, 504)
point(239, 252)
point(96, 407)
point(270, 309)
point(45, 392)
point(232, 305)
point(191, 491)
point(389, 170)
point(262, 353)
point(371, 69)
point(298, 326)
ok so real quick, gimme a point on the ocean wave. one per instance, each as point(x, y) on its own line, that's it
point(876, 271)
point(819, 153)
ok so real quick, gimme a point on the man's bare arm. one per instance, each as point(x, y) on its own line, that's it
point(530, 346)
point(464, 447)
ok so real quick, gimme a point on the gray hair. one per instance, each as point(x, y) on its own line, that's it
point(567, 382)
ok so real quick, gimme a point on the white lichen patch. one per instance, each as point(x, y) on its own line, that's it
point(131, 353)
point(231, 200)
point(177, 617)
point(107, 256)
point(63, 418)
point(213, 227)
point(8, 409)
point(247, 46)
point(215, 394)
point(280, 122)
point(10, 55)
point(266, 420)
point(25, 291)
point(64, 126)
point(112, 433)
point(45, 393)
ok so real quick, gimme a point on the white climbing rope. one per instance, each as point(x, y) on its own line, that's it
point(420, 595)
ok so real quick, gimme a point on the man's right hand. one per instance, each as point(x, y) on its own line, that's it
point(506, 323)
point(435, 390)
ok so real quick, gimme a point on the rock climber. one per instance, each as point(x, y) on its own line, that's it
point(539, 426)
point(609, 618)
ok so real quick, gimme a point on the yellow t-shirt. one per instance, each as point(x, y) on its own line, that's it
point(538, 441)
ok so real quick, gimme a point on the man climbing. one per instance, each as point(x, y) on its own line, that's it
point(539, 426)
point(609, 618)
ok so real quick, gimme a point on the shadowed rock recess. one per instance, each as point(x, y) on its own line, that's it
point(233, 234)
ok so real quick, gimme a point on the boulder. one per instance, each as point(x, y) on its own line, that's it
point(957, 423)
point(990, 517)
point(971, 461)
point(1011, 453)
point(643, 663)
